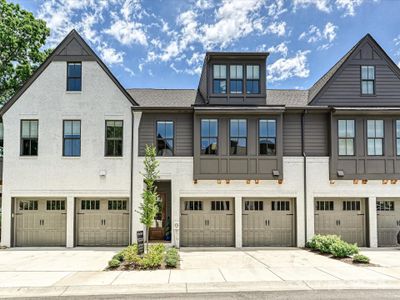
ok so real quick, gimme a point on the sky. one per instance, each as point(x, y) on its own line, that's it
point(162, 43)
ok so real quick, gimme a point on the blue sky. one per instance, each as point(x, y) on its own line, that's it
point(161, 43)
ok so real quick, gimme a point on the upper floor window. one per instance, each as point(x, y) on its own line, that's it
point(219, 79)
point(114, 138)
point(375, 137)
point(398, 136)
point(29, 137)
point(236, 79)
point(346, 133)
point(238, 137)
point(253, 79)
point(367, 80)
point(72, 138)
point(209, 136)
point(165, 138)
point(267, 137)
point(74, 76)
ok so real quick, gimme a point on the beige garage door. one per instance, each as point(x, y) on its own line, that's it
point(343, 217)
point(40, 222)
point(207, 222)
point(388, 211)
point(268, 222)
point(102, 222)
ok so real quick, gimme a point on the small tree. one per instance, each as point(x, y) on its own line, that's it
point(148, 209)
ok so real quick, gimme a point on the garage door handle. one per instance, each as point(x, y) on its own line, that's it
point(289, 214)
point(360, 214)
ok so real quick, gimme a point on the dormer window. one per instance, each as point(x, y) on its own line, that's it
point(253, 79)
point(74, 76)
point(236, 79)
point(367, 80)
point(219, 79)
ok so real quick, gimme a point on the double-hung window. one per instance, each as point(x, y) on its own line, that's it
point(238, 137)
point(253, 79)
point(29, 137)
point(267, 137)
point(114, 138)
point(375, 137)
point(367, 80)
point(398, 136)
point(236, 79)
point(219, 79)
point(74, 76)
point(165, 138)
point(72, 138)
point(209, 136)
point(346, 134)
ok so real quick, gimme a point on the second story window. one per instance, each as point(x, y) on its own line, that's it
point(367, 80)
point(29, 137)
point(267, 137)
point(219, 79)
point(253, 79)
point(236, 79)
point(398, 136)
point(165, 138)
point(209, 136)
point(72, 138)
point(346, 134)
point(74, 76)
point(238, 137)
point(114, 138)
point(375, 137)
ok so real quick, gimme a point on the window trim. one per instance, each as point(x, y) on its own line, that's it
point(242, 80)
point(353, 138)
point(105, 138)
point(209, 137)
point(259, 80)
point(80, 138)
point(21, 143)
point(397, 137)
point(226, 79)
point(259, 136)
point(374, 82)
point(74, 62)
point(173, 139)
point(230, 136)
point(375, 138)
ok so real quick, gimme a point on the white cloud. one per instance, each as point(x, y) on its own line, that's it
point(322, 5)
point(204, 4)
point(278, 28)
point(280, 48)
point(127, 32)
point(111, 56)
point(276, 8)
point(396, 40)
point(326, 35)
point(285, 68)
point(349, 6)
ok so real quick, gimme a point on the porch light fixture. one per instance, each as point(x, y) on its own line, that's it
point(248, 181)
point(195, 181)
point(103, 173)
point(364, 181)
point(275, 173)
point(340, 173)
point(393, 181)
point(257, 181)
point(355, 181)
point(227, 181)
point(280, 181)
point(219, 181)
point(385, 181)
point(332, 181)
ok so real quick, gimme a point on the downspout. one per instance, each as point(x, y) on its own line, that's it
point(131, 185)
point(304, 172)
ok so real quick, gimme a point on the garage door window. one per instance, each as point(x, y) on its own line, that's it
point(90, 204)
point(351, 205)
point(117, 205)
point(324, 205)
point(385, 205)
point(219, 205)
point(55, 205)
point(193, 205)
point(28, 205)
point(254, 205)
point(280, 205)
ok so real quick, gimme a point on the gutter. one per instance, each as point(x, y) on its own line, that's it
point(131, 183)
point(303, 151)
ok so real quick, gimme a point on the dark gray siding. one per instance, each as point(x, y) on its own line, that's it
point(316, 134)
point(183, 127)
point(292, 134)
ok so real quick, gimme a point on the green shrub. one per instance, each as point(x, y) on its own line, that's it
point(153, 258)
point(119, 256)
point(323, 243)
point(172, 257)
point(342, 249)
point(360, 259)
point(114, 263)
point(130, 254)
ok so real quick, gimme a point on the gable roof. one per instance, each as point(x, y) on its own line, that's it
point(72, 48)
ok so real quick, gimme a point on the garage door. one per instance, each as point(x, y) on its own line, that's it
point(207, 222)
point(268, 222)
point(102, 222)
point(40, 222)
point(388, 211)
point(343, 217)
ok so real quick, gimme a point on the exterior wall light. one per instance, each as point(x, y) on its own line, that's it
point(280, 181)
point(275, 173)
point(257, 181)
point(384, 181)
point(364, 181)
point(248, 181)
point(195, 181)
point(227, 181)
point(393, 181)
point(340, 173)
point(332, 181)
point(355, 181)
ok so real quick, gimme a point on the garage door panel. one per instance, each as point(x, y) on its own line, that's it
point(388, 218)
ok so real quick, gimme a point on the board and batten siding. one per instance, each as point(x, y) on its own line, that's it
point(292, 134)
point(183, 131)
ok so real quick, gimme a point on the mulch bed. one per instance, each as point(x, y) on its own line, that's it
point(347, 260)
point(131, 267)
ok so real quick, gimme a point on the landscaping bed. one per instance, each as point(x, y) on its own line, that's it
point(158, 257)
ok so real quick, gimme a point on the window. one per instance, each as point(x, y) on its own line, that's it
point(346, 133)
point(117, 205)
point(367, 80)
point(193, 205)
point(385, 205)
point(398, 136)
point(55, 205)
point(351, 205)
point(324, 205)
point(29, 137)
point(90, 204)
point(72, 138)
point(238, 137)
point(220, 205)
point(219, 83)
point(375, 137)
point(165, 138)
point(254, 205)
point(280, 205)
point(74, 76)
point(28, 205)
point(253, 79)
point(267, 137)
point(209, 136)
point(236, 79)
point(114, 137)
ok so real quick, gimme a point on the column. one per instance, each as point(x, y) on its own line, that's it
point(238, 222)
point(70, 221)
point(373, 223)
point(7, 219)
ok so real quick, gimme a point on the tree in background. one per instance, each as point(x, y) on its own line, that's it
point(148, 209)
point(21, 39)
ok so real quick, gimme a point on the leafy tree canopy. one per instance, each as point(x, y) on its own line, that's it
point(21, 39)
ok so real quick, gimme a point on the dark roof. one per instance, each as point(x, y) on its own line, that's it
point(237, 54)
point(164, 97)
point(289, 98)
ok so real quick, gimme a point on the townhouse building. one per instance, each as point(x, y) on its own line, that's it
point(240, 165)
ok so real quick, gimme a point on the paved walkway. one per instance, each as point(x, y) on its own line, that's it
point(78, 271)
